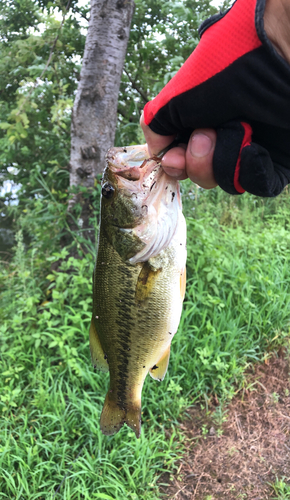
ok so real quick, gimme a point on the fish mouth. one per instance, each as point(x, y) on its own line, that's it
point(133, 163)
point(127, 157)
point(156, 195)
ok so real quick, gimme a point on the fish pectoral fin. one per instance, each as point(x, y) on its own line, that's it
point(146, 281)
point(113, 418)
point(182, 283)
point(97, 353)
point(159, 370)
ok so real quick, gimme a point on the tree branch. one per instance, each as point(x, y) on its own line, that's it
point(122, 113)
point(76, 9)
point(134, 86)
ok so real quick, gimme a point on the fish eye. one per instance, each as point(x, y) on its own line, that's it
point(108, 191)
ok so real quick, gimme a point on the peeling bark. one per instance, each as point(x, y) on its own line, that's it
point(94, 114)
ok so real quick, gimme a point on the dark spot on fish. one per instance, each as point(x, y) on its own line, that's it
point(180, 244)
point(125, 150)
point(153, 185)
point(154, 367)
point(105, 356)
point(95, 366)
point(128, 349)
point(108, 191)
point(166, 188)
point(170, 333)
point(172, 196)
point(143, 366)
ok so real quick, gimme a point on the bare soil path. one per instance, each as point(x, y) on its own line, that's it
point(242, 456)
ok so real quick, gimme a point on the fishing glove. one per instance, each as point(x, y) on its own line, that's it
point(237, 83)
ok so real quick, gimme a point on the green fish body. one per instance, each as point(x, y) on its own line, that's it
point(138, 282)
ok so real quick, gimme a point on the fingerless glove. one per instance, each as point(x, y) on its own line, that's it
point(237, 83)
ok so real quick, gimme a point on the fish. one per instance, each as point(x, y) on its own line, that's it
point(138, 281)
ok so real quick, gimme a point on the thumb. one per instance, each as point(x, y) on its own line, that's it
point(199, 157)
point(155, 142)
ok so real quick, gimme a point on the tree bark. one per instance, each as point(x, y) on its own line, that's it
point(94, 113)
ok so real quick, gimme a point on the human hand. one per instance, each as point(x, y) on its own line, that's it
point(193, 160)
point(192, 107)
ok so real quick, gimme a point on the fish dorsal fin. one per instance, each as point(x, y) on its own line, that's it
point(97, 353)
point(159, 370)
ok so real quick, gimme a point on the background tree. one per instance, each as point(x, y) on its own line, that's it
point(94, 113)
point(237, 305)
point(42, 45)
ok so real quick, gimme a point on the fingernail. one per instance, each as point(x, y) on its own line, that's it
point(172, 172)
point(200, 145)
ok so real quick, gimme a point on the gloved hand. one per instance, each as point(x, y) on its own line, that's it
point(236, 83)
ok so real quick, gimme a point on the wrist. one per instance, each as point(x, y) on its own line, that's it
point(277, 25)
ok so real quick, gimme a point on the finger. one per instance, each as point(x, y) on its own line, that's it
point(199, 158)
point(155, 142)
point(259, 175)
point(241, 165)
point(173, 162)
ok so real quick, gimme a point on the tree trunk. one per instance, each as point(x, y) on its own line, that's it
point(94, 114)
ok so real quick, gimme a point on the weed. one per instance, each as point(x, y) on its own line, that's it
point(237, 307)
point(281, 489)
point(275, 398)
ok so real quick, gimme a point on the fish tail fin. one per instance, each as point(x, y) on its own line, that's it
point(133, 420)
point(113, 418)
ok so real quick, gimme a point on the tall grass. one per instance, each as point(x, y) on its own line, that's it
point(237, 310)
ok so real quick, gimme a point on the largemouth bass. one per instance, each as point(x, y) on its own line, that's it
point(138, 282)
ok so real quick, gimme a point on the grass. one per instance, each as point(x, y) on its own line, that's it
point(281, 489)
point(237, 309)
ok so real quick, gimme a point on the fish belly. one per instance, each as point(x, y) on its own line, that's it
point(136, 313)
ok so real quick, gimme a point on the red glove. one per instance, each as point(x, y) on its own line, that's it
point(234, 82)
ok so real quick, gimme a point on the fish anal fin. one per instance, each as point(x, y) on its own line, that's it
point(182, 283)
point(146, 282)
point(159, 370)
point(113, 418)
point(97, 353)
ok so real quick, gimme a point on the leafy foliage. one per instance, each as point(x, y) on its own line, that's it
point(237, 299)
point(40, 58)
point(163, 35)
point(237, 308)
point(36, 98)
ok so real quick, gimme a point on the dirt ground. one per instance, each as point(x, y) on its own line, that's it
point(240, 457)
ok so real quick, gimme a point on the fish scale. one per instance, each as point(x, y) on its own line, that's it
point(137, 305)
